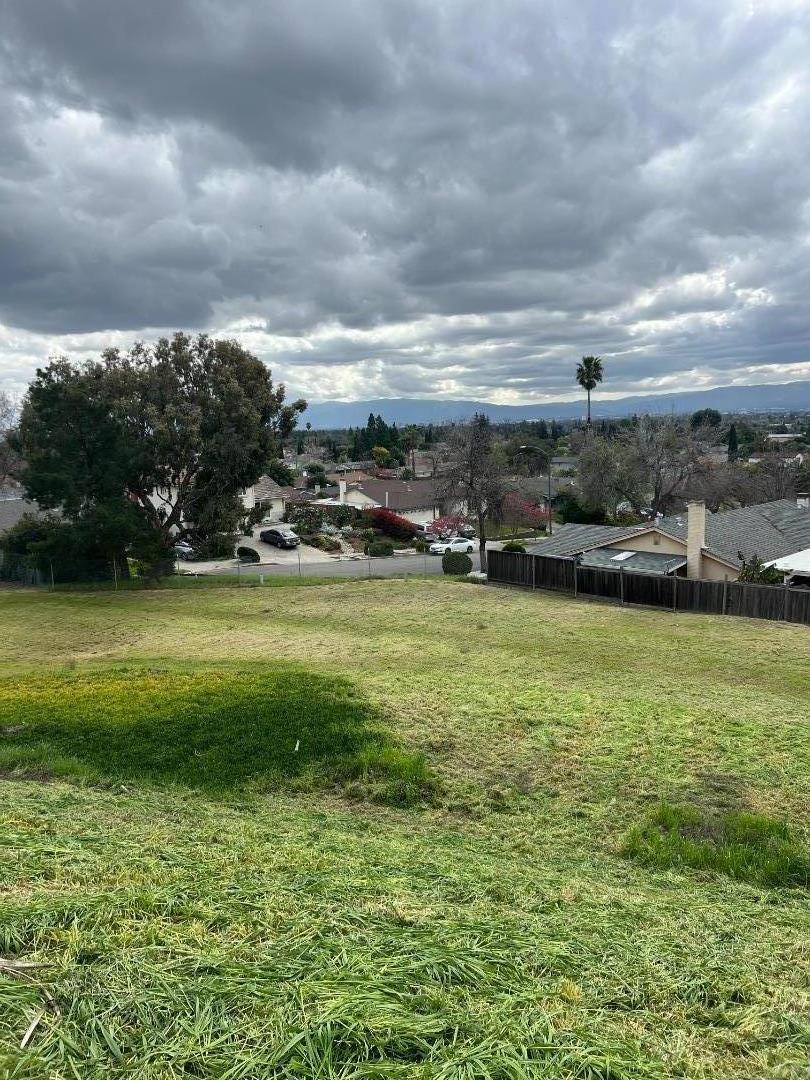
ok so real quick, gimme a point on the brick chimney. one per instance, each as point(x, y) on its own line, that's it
point(695, 537)
point(803, 500)
point(341, 491)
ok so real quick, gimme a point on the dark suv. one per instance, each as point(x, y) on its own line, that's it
point(281, 536)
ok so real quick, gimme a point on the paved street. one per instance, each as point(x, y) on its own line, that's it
point(389, 567)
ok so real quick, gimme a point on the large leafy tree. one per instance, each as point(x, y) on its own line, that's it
point(10, 463)
point(589, 374)
point(176, 430)
point(475, 475)
point(650, 466)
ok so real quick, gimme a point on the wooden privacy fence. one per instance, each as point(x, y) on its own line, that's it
point(651, 590)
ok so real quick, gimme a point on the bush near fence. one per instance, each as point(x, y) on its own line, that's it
point(650, 590)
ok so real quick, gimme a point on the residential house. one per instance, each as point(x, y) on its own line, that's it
point(13, 507)
point(695, 544)
point(269, 495)
point(564, 466)
point(535, 488)
point(417, 500)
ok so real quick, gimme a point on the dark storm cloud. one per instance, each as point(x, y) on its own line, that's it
point(398, 197)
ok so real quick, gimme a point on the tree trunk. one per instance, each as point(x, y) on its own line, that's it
point(589, 407)
point(482, 542)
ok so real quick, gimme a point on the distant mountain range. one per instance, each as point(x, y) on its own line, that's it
point(776, 397)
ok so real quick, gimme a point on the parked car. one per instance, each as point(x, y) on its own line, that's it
point(182, 550)
point(455, 543)
point(281, 536)
point(269, 520)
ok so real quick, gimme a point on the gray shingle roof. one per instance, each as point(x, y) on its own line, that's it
point(401, 494)
point(768, 530)
point(536, 487)
point(11, 510)
point(266, 488)
point(635, 562)
point(571, 539)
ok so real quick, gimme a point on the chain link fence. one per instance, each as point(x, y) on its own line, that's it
point(42, 572)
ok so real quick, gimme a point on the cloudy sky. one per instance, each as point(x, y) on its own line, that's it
point(412, 197)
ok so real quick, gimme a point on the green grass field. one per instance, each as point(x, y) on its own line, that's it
point(398, 829)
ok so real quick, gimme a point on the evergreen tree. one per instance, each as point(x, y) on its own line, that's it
point(733, 443)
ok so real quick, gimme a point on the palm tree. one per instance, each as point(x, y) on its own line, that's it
point(589, 375)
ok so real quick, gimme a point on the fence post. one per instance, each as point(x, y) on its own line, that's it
point(674, 592)
point(725, 595)
point(621, 585)
point(785, 606)
point(534, 571)
point(115, 575)
point(575, 575)
point(53, 586)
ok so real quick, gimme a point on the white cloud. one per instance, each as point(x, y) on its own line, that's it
point(428, 198)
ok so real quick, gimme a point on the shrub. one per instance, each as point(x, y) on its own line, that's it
point(253, 517)
point(456, 563)
point(749, 847)
point(368, 535)
point(380, 549)
point(755, 570)
point(390, 523)
point(517, 511)
point(323, 543)
point(305, 517)
point(448, 525)
point(248, 554)
point(216, 546)
point(514, 545)
point(339, 515)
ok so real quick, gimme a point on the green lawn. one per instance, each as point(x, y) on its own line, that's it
point(400, 829)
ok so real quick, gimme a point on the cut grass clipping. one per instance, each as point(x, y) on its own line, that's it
point(748, 847)
point(211, 730)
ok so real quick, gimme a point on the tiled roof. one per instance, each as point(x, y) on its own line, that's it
point(571, 539)
point(767, 530)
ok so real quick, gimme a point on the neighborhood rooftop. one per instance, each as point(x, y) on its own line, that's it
point(638, 562)
point(572, 539)
point(768, 530)
point(398, 494)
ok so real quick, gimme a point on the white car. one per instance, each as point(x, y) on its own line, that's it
point(455, 543)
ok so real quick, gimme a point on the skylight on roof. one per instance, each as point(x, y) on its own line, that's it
point(622, 556)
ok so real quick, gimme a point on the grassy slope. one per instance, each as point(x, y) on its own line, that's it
point(495, 929)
